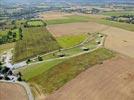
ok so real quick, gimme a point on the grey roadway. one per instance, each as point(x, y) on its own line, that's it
point(25, 85)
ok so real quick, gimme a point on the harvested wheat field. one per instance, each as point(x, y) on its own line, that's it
point(112, 80)
point(120, 40)
point(76, 28)
point(10, 91)
point(54, 15)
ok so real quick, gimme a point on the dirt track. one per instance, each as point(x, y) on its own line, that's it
point(113, 80)
point(9, 91)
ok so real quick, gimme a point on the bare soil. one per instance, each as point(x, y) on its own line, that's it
point(10, 91)
point(54, 15)
point(76, 28)
point(120, 40)
point(112, 80)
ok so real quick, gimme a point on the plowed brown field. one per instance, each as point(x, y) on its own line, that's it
point(113, 80)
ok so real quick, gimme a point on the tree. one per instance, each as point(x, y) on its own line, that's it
point(28, 61)
point(0, 63)
point(19, 73)
point(14, 34)
point(40, 58)
point(9, 33)
point(20, 30)
point(19, 78)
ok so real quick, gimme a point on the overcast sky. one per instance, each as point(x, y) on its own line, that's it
point(99, 1)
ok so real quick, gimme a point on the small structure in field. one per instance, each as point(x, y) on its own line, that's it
point(85, 49)
point(61, 55)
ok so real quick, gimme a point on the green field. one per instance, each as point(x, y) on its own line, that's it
point(118, 13)
point(69, 19)
point(35, 70)
point(59, 73)
point(71, 40)
point(36, 40)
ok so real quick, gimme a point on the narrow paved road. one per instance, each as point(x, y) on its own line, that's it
point(25, 85)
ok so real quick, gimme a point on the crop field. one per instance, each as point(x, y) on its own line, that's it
point(55, 77)
point(125, 26)
point(69, 19)
point(120, 40)
point(118, 13)
point(90, 18)
point(76, 28)
point(12, 91)
point(54, 15)
point(114, 79)
point(36, 40)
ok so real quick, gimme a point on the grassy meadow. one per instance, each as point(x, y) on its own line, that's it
point(71, 40)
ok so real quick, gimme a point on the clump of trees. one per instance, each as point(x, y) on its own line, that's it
point(11, 36)
point(124, 18)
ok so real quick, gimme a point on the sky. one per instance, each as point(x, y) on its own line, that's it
point(96, 1)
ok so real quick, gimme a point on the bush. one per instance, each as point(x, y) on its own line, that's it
point(40, 58)
point(28, 61)
point(19, 78)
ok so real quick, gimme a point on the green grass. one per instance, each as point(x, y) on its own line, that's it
point(71, 40)
point(118, 13)
point(36, 40)
point(35, 70)
point(55, 77)
point(69, 19)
